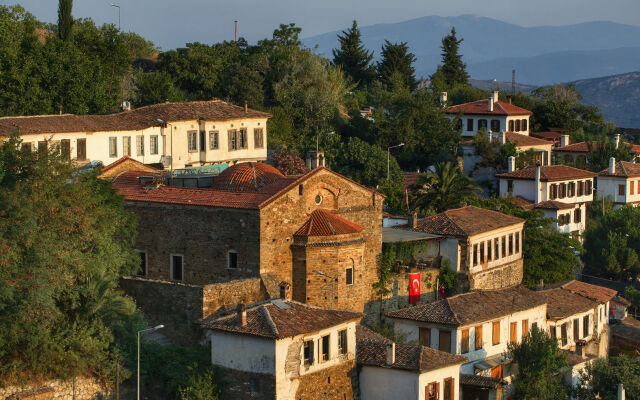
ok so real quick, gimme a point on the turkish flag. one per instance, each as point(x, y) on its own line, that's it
point(414, 287)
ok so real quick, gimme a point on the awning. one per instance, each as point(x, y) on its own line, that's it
point(491, 362)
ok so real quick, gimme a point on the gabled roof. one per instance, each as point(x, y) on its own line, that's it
point(132, 165)
point(472, 307)
point(549, 135)
point(583, 147)
point(624, 169)
point(465, 221)
point(548, 173)
point(277, 319)
point(323, 222)
point(600, 294)
point(554, 205)
point(481, 107)
point(479, 381)
point(525, 140)
point(563, 303)
point(408, 357)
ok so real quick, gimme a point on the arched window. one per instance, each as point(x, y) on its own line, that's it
point(232, 259)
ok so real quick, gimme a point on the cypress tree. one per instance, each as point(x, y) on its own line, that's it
point(353, 57)
point(65, 20)
point(396, 58)
point(453, 69)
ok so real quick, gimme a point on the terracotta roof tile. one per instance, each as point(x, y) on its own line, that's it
point(484, 382)
point(563, 303)
point(408, 357)
point(323, 222)
point(247, 177)
point(481, 107)
point(550, 135)
point(472, 307)
point(410, 178)
point(364, 333)
point(272, 320)
point(548, 173)
point(624, 169)
point(628, 330)
point(521, 201)
point(525, 140)
point(583, 147)
point(554, 205)
point(594, 292)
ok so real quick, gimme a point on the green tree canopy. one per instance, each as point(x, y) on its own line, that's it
point(453, 70)
point(603, 376)
point(396, 58)
point(353, 57)
point(155, 87)
point(65, 19)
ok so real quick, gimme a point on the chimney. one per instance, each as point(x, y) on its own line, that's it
point(285, 293)
point(503, 137)
point(314, 160)
point(490, 104)
point(509, 98)
point(496, 96)
point(443, 98)
point(511, 164)
point(612, 165)
point(541, 284)
point(537, 185)
point(616, 140)
point(564, 140)
point(242, 314)
point(413, 220)
point(391, 353)
point(246, 107)
point(621, 392)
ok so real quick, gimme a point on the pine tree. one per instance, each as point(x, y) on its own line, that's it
point(453, 69)
point(396, 58)
point(65, 20)
point(353, 57)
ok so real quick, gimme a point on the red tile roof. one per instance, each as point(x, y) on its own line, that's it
point(323, 222)
point(548, 173)
point(409, 357)
point(410, 178)
point(521, 201)
point(600, 294)
point(247, 177)
point(481, 107)
point(552, 135)
point(563, 303)
point(554, 205)
point(583, 147)
point(483, 382)
point(140, 118)
point(525, 140)
point(364, 333)
point(472, 307)
point(465, 221)
point(624, 169)
point(277, 319)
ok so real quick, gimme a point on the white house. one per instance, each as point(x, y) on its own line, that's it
point(578, 153)
point(620, 182)
point(176, 135)
point(490, 114)
point(560, 191)
point(477, 325)
point(282, 349)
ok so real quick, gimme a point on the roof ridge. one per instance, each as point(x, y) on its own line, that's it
point(270, 322)
point(454, 223)
point(500, 105)
point(624, 170)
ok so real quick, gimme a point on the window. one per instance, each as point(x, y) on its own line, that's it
point(458, 125)
point(571, 189)
point(43, 147)
point(489, 250)
point(258, 138)
point(577, 215)
point(140, 145)
point(26, 147)
point(308, 353)
point(496, 246)
point(213, 140)
point(513, 332)
point(192, 141)
point(65, 149)
point(553, 191)
point(153, 144)
point(495, 125)
point(482, 124)
point(176, 267)
point(496, 372)
point(433, 391)
point(585, 326)
point(445, 341)
point(510, 244)
point(464, 342)
point(469, 124)
point(517, 242)
point(563, 190)
point(349, 276)
point(589, 188)
point(233, 139)
point(448, 389)
point(563, 333)
point(525, 328)
point(324, 345)
point(576, 329)
point(142, 271)
point(510, 185)
point(524, 125)
point(504, 246)
point(495, 339)
point(342, 341)
point(475, 255)
point(631, 187)
point(482, 260)
point(243, 139)
point(126, 146)
point(517, 125)
point(511, 126)
point(424, 336)
point(478, 333)
point(232, 259)
point(580, 188)
point(113, 146)
point(621, 190)
point(202, 143)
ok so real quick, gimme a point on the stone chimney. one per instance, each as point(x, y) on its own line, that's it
point(443, 98)
point(621, 392)
point(509, 98)
point(242, 314)
point(616, 140)
point(612, 165)
point(564, 140)
point(391, 353)
point(537, 185)
point(285, 290)
point(246, 107)
point(511, 164)
point(490, 109)
point(503, 137)
point(413, 220)
point(314, 160)
point(496, 96)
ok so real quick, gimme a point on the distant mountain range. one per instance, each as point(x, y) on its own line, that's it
point(492, 48)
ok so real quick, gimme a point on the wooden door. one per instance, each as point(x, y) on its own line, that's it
point(425, 337)
point(445, 341)
point(449, 389)
point(81, 149)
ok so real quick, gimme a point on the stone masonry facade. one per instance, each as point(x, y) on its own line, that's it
point(80, 388)
point(503, 276)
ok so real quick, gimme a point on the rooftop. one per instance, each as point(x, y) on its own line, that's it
point(624, 169)
point(583, 147)
point(525, 140)
point(549, 135)
point(247, 177)
point(472, 307)
point(277, 319)
point(548, 173)
point(628, 330)
point(597, 293)
point(409, 357)
point(392, 235)
point(554, 205)
point(481, 107)
point(323, 222)
point(563, 303)
point(483, 382)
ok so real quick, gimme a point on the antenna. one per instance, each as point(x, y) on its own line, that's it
point(236, 35)
point(513, 82)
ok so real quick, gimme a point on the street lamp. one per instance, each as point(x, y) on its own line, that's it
point(332, 281)
point(162, 122)
point(155, 328)
point(389, 156)
point(115, 5)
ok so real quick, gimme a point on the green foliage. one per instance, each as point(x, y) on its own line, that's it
point(442, 189)
point(603, 375)
point(463, 94)
point(612, 246)
point(353, 57)
point(65, 241)
point(599, 154)
point(138, 46)
point(65, 19)
point(155, 87)
point(288, 161)
point(448, 277)
point(388, 331)
point(201, 387)
point(396, 58)
point(539, 367)
point(558, 106)
point(633, 295)
point(453, 70)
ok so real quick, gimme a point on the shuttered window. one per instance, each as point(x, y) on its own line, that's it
point(126, 146)
point(113, 146)
point(513, 332)
point(233, 140)
point(140, 145)
point(258, 138)
point(213, 140)
point(464, 343)
point(425, 336)
point(496, 333)
point(192, 141)
point(153, 144)
point(478, 341)
point(525, 328)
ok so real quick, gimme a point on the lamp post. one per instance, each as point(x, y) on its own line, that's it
point(115, 5)
point(389, 156)
point(155, 328)
point(332, 281)
point(162, 122)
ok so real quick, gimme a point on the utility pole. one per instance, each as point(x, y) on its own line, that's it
point(236, 34)
point(513, 82)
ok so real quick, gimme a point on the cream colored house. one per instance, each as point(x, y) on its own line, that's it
point(176, 135)
point(620, 182)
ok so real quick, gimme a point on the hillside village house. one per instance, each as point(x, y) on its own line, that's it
point(477, 325)
point(560, 191)
point(175, 135)
point(620, 182)
point(483, 245)
point(491, 115)
point(578, 153)
point(282, 349)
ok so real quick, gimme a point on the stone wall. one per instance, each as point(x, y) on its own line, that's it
point(334, 383)
point(246, 385)
point(178, 306)
point(506, 275)
point(85, 388)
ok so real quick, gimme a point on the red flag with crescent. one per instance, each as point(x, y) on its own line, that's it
point(414, 287)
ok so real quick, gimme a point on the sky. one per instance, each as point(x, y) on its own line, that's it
point(172, 23)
